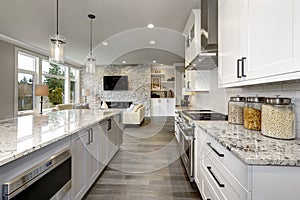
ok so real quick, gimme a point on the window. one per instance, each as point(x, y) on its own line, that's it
point(26, 79)
point(74, 79)
point(36, 69)
point(53, 76)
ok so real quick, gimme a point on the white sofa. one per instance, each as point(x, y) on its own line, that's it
point(136, 116)
point(70, 106)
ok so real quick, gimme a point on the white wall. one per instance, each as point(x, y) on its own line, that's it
point(217, 98)
point(7, 79)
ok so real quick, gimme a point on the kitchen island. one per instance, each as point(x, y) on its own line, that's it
point(93, 137)
point(232, 162)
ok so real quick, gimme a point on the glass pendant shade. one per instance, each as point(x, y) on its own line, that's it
point(57, 44)
point(90, 65)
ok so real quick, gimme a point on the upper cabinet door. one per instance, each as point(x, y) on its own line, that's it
point(192, 36)
point(259, 41)
point(273, 38)
point(230, 15)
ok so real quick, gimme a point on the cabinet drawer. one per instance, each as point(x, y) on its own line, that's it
point(207, 191)
point(225, 160)
point(225, 184)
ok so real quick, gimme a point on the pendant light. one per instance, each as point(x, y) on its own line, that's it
point(91, 62)
point(57, 44)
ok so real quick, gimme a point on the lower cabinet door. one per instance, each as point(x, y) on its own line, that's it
point(78, 167)
point(109, 140)
point(102, 147)
point(92, 157)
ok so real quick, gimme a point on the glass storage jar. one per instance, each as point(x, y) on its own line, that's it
point(236, 110)
point(278, 118)
point(252, 113)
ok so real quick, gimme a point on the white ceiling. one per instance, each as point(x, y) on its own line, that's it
point(148, 55)
point(120, 22)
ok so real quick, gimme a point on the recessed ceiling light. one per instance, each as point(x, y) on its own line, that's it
point(150, 26)
point(105, 43)
point(124, 62)
point(154, 61)
point(152, 42)
point(161, 64)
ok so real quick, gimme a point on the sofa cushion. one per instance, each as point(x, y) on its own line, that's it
point(81, 106)
point(64, 106)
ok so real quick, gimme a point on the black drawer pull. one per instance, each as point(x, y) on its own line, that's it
point(238, 68)
point(243, 66)
point(219, 154)
point(218, 182)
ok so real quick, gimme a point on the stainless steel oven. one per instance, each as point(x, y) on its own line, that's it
point(186, 146)
point(50, 179)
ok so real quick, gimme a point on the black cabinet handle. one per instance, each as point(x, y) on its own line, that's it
point(243, 66)
point(92, 135)
point(120, 118)
point(214, 176)
point(109, 124)
point(219, 154)
point(238, 68)
point(188, 84)
point(89, 137)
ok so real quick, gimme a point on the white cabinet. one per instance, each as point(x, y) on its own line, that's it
point(114, 136)
point(219, 174)
point(192, 36)
point(102, 148)
point(258, 43)
point(92, 158)
point(197, 80)
point(84, 160)
point(162, 107)
point(119, 129)
point(92, 149)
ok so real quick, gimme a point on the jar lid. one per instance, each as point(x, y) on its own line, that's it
point(278, 101)
point(256, 99)
point(238, 99)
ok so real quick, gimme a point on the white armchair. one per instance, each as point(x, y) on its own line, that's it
point(134, 117)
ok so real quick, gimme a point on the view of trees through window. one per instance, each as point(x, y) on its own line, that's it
point(25, 91)
point(51, 74)
point(56, 81)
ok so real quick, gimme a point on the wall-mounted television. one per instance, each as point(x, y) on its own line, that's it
point(115, 82)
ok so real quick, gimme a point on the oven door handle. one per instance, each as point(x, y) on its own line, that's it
point(184, 135)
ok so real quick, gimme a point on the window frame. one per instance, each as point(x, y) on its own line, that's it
point(35, 80)
point(38, 74)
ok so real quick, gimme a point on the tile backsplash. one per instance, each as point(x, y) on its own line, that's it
point(217, 98)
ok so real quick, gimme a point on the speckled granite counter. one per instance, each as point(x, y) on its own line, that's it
point(252, 147)
point(22, 135)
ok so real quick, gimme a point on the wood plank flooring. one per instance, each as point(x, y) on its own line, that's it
point(147, 166)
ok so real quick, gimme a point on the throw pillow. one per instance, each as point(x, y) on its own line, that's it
point(131, 107)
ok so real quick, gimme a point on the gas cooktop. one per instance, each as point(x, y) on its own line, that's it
point(205, 115)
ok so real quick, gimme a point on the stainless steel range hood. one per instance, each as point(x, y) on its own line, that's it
point(209, 25)
point(208, 58)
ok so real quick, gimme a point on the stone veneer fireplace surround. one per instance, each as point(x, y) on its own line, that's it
point(139, 81)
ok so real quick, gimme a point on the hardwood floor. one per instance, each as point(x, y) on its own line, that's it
point(147, 166)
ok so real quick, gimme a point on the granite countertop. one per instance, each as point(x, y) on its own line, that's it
point(251, 146)
point(22, 135)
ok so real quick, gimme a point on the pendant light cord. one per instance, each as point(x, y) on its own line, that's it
point(91, 42)
point(56, 17)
